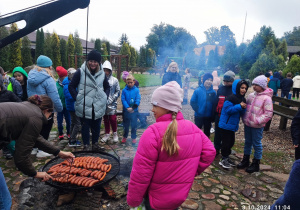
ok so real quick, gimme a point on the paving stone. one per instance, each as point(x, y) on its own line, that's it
point(267, 179)
point(206, 183)
point(225, 197)
point(209, 205)
point(274, 195)
point(15, 173)
point(10, 164)
point(230, 181)
point(234, 197)
point(215, 190)
point(242, 171)
point(278, 176)
point(7, 179)
point(7, 171)
point(189, 204)
point(213, 180)
point(221, 202)
point(233, 205)
point(205, 175)
point(262, 188)
point(194, 195)
point(225, 192)
point(20, 179)
point(208, 196)
point(16, 187)
point(208, 170)
point(220, 186)
point(254, 195)
point(275, 190)
point(252, 180)
point(198, 187)
point(265, 168)
point(239, 155)
point(198, 177)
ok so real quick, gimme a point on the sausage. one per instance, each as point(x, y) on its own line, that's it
point(84, 181)
point(109, 168)
point(105, 160)
point(92, 174)
point(80, 181)
point(97, 174)
point(100, 175)
point(93, 183)
point(102, 167)
point(103, 176)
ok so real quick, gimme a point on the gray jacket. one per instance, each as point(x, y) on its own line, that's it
point(95, 97)
point(114, 94)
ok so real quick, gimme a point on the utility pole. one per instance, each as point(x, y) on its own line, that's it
point(244, 28)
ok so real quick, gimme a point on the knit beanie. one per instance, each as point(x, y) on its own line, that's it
point(61, 71)
point(125, 75)
point(21, 70)
point(261, 81)
point(95, 56)
point(207, 76)
point(168, 96)
point(43, 61)
point(229, 76)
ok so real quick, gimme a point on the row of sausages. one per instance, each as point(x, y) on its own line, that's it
point(78, 161)
point(76, 180)
point(81, 171)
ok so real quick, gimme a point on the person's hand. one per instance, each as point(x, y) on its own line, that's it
point(69, 156)
point(243, 105)
point(130, 110)
point(43, 175)
point(296, 145)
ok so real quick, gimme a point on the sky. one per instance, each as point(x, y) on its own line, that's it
point(109, 19)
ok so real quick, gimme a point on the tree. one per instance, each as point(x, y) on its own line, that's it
point(108, 47)
point(63, 53)
point(78, 48)
point(123, 39)
point(210, 60)
point(142, 57)
point(104, 52)
point(230, 57)
point(125, 50)
point(226, 36)
point(97, 45)
point(4, 52)
point(282, 49)
point(26, 52)
point(293, 37)
point(151, 57)
point(48, 46)
point(15, 57)
point(202, 60)
point(293, 66)
point(39, 43)
point(212, 35)
point(55, 44)
point(216, 57)
point(70, 50)
point(133, 57)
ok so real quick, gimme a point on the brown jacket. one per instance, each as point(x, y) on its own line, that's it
point(23, 122)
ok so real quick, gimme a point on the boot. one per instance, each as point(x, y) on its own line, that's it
point(245, 162)
point(254, 167)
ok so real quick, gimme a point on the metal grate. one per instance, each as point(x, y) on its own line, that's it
point(68, 186)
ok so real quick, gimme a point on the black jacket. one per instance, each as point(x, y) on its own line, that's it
point(8, 96)
point(286, 84)
point(295, 129)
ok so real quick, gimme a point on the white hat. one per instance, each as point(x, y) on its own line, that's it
point(107, 65)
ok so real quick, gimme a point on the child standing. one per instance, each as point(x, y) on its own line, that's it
point(131, 100)
point(186, 85)
point(170, 154)
point(258, 112)
point(286, 85)
point(234, 107)
point(110, 117)
point(203, 103)
point(70, 106)
point(62, 73)
point(21, 75)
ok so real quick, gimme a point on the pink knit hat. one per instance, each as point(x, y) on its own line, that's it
point(168, 96)
point(125, 75)
point(261, 81)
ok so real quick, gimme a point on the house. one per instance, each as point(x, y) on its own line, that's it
point(208, 48)
point(292, 50)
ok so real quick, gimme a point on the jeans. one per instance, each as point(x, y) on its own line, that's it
point(47, 128)
point(217, 139)
point(204, 121)
point(86, 126)
point(285, 94)
point(60, 117)
point(227, 142)
point(75, 126)
point(130, 118)
point(5, 198)
point(253, 137)
point(110, 120)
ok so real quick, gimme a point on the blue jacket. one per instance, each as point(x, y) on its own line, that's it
point(170, 76)
point(68, 98)
point(204, 102)
point(128, 94)
point(230, 115)
point(274, 83)
point(41, 83)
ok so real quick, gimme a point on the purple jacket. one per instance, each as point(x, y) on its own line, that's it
point(259, 109)
point(168, 179)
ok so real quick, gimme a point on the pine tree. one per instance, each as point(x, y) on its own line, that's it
point(48, 46)
point(39, 46)
point(78, 48)
point(125, 50)
point(202, 60)
point(282, 49)
point(26, 52)
point(15, 57)
point(123, 39)
point(70, 50)
point(98, 45)
point(104, 52)
point(150, 62)
point(133, 57)
point(55, 44)
point(63, 53)
point(210, 60)
point(142, 57)
point(4, 52)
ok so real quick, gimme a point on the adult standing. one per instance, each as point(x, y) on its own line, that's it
point(24, 123)
point(172, 74)
point(41, 82)
point(90, 88)
point(286, 84)
point(296, 86)
point(186, 85)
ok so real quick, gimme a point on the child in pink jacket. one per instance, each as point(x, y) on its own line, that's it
point(258, 112)
point(171, 152)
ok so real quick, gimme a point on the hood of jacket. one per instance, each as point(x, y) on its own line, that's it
point(36, 77)
point(267, 92)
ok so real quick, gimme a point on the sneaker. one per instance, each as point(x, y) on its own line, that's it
point(34, 151)
point(224, 163)
point(61, 137)
point(116, 138)
point(212, 130)
point(124, 140)
point(231, 162)
point(105, 138)
point(74, 144)
point(7, 154)
point(42, 154)
point(133, 141)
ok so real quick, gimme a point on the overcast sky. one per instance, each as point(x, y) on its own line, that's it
point(109, 19)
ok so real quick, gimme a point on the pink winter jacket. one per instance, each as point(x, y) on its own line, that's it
point(259, 109)
point(168, 179)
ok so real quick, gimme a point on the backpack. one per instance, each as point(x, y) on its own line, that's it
point(220, 105)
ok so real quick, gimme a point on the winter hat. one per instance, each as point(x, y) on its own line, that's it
point(107, 65)
point(261, 81)
point(267, 74)
point(125, 75)
point(71, 71)
point(95, 56)
point(173, 64)
point(207, 76)
point(168, 96)
point(44, 61)
point(61, 71)
point(21, 70)
point(229, 76)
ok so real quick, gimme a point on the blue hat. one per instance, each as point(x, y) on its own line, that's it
point(43, 61)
